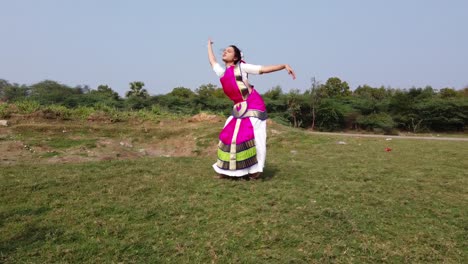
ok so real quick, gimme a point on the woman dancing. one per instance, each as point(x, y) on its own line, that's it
point(242, 142)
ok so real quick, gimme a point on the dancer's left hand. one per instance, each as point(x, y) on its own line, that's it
point(291, 72)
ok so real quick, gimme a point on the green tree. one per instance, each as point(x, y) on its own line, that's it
point(316, 93)
point(206, 91)
point(136, 90)
point(418, 94)
point(137, 103)
point(12, 92)
point(179, 100)
point(209, 97)
point(182, 92)
point(103, 95)
point(106, 92)
point(335, 87)
point(4, 84)
point(275, 104)
point(369, 100)
point(382, 121)
point(463, 92)
point(371, 93)
point(442, 114)
point(448, 93)
point(404, 110)
point(274, 93)
point(294, 107)
point(331, 114)
point(82, 89)
point(51, 92)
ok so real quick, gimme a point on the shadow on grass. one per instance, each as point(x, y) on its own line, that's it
point(268, 173)
point(22, 212)
point(32, 234)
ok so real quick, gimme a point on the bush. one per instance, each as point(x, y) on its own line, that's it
point(82, 112)
point(279, 118)
point(377, 122)
point(5, 111)
point(331, 115)
point(443, 114)
point(57, 112)
point(156, 109)
point(145, 115)
point(27, 107)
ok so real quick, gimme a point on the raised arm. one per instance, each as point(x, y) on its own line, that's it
point(279, 67)
point(211, 56)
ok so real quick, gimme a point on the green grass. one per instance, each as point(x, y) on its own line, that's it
point(318, 202)
point(62, 143)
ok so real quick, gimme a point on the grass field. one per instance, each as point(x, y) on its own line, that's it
point(318, 201)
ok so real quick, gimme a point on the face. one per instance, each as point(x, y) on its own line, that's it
point(229, 55)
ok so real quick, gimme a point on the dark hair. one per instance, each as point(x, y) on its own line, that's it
point(237, 53)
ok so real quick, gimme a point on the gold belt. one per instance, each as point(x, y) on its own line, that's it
point(240, 111)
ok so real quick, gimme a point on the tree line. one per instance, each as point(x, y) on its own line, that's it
point(329, 106)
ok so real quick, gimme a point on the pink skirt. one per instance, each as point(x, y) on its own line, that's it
point(242, 147)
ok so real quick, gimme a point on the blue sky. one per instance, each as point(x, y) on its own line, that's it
point(398, 43)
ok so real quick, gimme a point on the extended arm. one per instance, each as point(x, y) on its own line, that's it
point(211, 56)
point(273, 68)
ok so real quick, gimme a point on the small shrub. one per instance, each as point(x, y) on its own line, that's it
point(143, 114)
point(5, 111)
point(82, 112)
point(57, 112)
point(27, 107)
point(156, 109)
point(279, 118)
point(380, 122)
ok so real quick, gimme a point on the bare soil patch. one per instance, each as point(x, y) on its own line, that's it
point(29, 139)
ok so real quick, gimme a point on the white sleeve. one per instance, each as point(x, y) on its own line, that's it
point(251, 68)
point(218, 69)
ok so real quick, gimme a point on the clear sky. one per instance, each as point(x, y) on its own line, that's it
point(397, 43)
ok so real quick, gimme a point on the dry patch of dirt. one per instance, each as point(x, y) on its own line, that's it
point(204, 117)
point(29, 140)
point(39, 140)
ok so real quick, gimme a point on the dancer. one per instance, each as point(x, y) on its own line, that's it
point(242, 142)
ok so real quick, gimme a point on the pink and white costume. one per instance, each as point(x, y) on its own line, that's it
point(242, 142)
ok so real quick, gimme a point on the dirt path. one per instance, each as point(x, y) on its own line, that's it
point(393, 137)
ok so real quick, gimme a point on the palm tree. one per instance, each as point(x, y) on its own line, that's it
point(136, 89)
